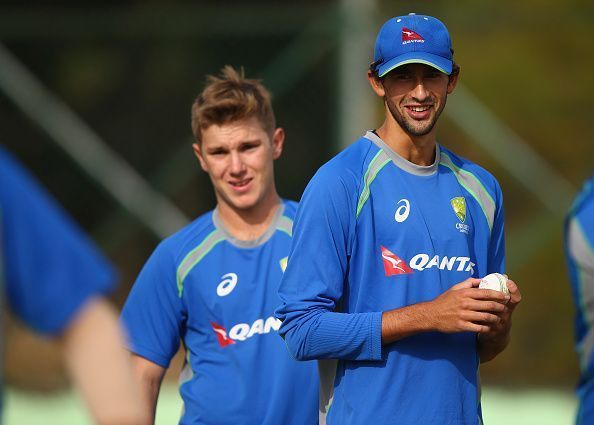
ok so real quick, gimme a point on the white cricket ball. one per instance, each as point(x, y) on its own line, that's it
point(496, 282)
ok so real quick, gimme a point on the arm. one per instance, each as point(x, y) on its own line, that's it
point(149, 375)
point(100, 367)
point(313, 282)
point(579, 252)
point(462, 308)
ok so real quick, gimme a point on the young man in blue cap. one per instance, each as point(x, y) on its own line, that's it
point(389, 241)
point(579, 249)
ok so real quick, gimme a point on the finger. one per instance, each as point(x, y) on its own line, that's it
point(483, 318)
point(471, 282)
point(488, 306)
point(476, 328)
point(490, 294)
point(514, 291)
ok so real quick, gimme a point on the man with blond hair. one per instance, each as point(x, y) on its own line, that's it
point(213, 284)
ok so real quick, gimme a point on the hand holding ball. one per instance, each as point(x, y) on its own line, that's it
point(495, 282)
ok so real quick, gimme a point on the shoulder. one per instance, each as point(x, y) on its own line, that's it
point(348, 168)
point(17, 182)
point(290, 208)
point(469, 173)
point(177, 246)
point(583, 206)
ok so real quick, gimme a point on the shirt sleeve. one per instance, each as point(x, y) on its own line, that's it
point(50, 268)
point(153, 314)
point(579, 251)
point(496, 261)
point(314, 281)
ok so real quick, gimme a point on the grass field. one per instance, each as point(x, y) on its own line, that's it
point(508, 407)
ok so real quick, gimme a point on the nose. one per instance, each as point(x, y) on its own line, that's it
point(236, 166)
point(420, 92)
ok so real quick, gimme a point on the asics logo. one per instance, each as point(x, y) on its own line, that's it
point(227, 285)
point(402, 210)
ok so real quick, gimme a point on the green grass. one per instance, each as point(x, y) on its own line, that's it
point(500, 406)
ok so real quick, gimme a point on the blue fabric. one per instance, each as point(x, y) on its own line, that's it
point(50, 268)
point(581, 274)
point(413, 39)
point(338, 281)
point(238, 370)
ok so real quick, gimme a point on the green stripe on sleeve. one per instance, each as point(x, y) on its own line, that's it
point(195, 256)
point(285, 224)
point(378, 162)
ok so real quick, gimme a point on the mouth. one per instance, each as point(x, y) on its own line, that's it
point(240, 185)
point(419, 112)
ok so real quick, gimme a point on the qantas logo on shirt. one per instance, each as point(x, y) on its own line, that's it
point(222, 336)
point(394, 265)
point(244, 331)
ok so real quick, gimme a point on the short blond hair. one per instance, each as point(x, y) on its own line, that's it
point(229, 98)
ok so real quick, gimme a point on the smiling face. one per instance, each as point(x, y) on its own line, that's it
point(415, 95)
point(238, 157)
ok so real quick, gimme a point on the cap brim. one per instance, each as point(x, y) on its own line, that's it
point(438, 62)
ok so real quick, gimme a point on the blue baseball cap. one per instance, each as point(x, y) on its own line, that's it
point(412, 39)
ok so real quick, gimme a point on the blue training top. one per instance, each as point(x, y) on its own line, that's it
point(375, 232)
point(217, 294)
point(579, 249)
point(48, 267)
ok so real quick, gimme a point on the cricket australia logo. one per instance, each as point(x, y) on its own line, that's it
point(283, 263)
point(459, 207)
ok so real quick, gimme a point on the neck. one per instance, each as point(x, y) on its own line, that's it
point(419, 150)
point(249, 224)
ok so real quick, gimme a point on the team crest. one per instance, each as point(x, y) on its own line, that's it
point(459, 206)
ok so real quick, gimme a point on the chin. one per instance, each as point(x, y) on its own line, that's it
point(242, 204)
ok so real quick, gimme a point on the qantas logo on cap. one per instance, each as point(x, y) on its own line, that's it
point(393, 264)
point(409, 36)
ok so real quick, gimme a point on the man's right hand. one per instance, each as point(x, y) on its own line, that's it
point(467, 308)
point(462, 308)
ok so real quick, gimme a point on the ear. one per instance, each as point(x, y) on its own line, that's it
point(453, 78)
point(278, 141)
point(198, 153)
point(376, 84)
